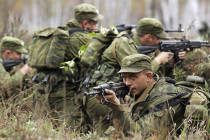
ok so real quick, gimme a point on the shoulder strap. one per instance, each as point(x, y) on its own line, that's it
point(144, 94)
point(180, 98)
point(114, 42)
point(73, 30)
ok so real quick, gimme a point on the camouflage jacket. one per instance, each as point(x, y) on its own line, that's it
point(77, 39)
point(140, 119)
point(9, 82)
point(107, 69)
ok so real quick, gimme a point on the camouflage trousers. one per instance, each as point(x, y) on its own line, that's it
point(60, 106)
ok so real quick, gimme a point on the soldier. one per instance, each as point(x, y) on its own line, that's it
point(149, 111)
point(86, 17)
point(59, 91)
point(148, 32)
point(150, 29)
point(10, 81)
point(12, 48)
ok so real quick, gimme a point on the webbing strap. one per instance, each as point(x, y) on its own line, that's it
point(183, 97)
point(73, 30)
point(114, 42)
point(144, 94)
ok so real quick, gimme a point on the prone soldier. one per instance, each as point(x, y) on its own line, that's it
point(157, 103)
point(148, 32)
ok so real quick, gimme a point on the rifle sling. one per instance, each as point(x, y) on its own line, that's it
point(144, 94)
point(73, 30)
point(168, 103)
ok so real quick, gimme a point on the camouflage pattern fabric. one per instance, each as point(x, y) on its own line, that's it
point(77, 39)
point(198, 108)
point(96, 47)
point(57, 95)
point(12, 43)
point(14, 88)
point(151, 26)
point(87, 11)
point(150, 121)
point(106, 70)
point(8, 82)
point(48, 48)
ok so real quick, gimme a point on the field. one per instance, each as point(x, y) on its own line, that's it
point(17, 121)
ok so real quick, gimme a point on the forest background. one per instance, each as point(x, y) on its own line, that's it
point(21, 18)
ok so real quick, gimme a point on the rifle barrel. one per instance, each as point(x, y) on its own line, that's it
point(174, 30)
point(205, 45)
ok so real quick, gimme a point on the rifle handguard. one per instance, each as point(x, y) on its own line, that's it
point(120, 89)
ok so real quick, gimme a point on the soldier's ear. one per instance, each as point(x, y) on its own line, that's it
point(7, 53)
point(148, 36)
point(84, 24)
point(149, 75)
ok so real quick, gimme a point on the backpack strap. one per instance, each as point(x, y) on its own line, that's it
point(180, 98)
point(73, 30)
point(114, 42)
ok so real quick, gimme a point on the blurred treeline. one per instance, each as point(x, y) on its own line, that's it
point(21, 18)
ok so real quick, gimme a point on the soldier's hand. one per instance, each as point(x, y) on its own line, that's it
point(182, 54)
point(26, 69)
point(111, 97)
point(164, 57)
point(99, 98)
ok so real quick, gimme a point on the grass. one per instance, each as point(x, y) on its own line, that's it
point(18, 122)
point(21, 124)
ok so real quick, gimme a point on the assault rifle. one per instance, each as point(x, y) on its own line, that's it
point(123, 27)
point(120, 89)
point(173, 46)
point(8, 64)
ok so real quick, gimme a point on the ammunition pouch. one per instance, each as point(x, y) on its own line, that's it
point(48, 81)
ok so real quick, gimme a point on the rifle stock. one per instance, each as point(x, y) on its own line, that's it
point(8, 64)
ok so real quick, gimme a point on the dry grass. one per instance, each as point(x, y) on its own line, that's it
point(17, 122)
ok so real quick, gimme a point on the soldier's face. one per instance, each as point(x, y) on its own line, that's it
point(12, 55)
point(149, 40)
point(91, 25)
point(155, 40)
point(136, 82)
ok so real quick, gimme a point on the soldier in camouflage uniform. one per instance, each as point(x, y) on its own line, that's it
point(11, 83)
point(61, 97)
point(148, 112)
point(148, 33)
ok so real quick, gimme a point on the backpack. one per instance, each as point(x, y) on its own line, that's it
point(101, 42)
point(48, 48)
point(198, 105)
point(97, 46)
